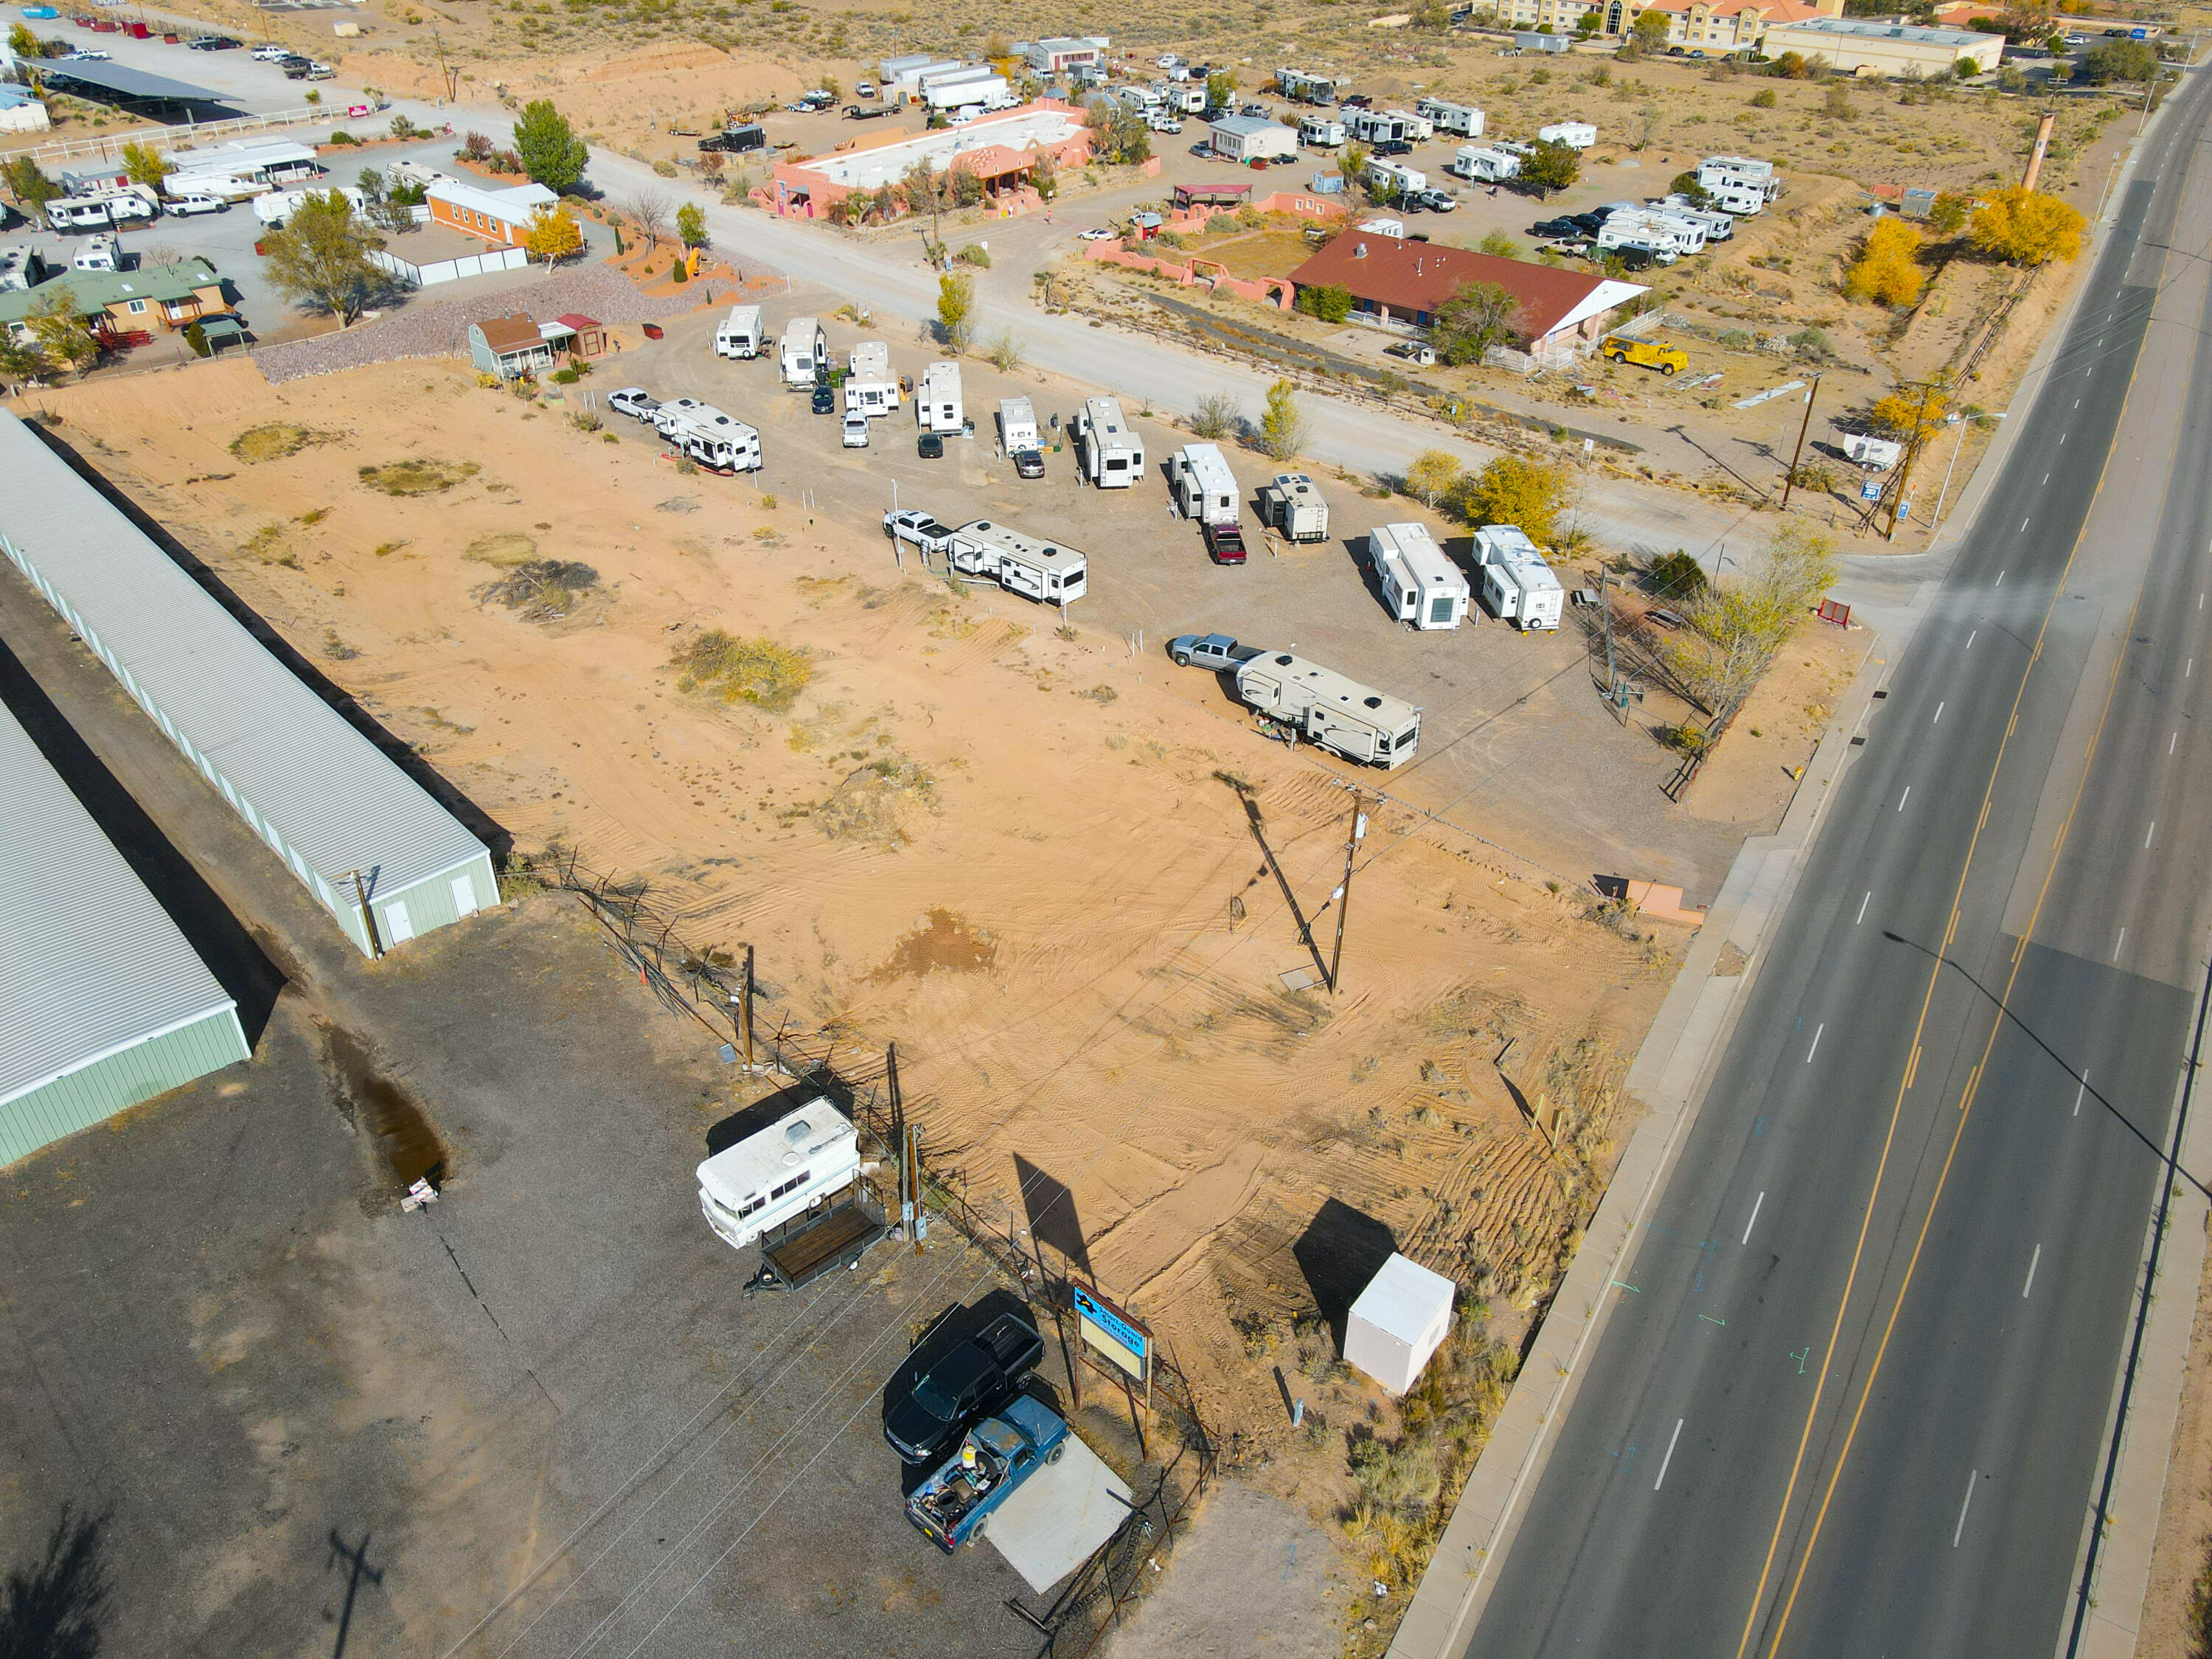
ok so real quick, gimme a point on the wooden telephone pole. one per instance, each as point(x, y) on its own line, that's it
point(1798, 455)
point(1344, 893)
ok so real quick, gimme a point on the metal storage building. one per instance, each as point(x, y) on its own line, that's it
point(346, 821)
point(103, 1004)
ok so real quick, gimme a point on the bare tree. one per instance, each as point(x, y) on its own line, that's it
point(650, 211)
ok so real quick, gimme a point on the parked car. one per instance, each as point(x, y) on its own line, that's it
point(321, 72)
point(954, 1504)
point(1437, 201)
point(918, 527)
point(930, 446)
point(184, 206)
point(1210, 651)
point(1356, 101)
point(1164, 124)
point(213, 43)
point(1390, 146)
point(1554, 230)
point(1098, 234)
point(272, 53)
point(87, 55)
point(1225, 543)
point(1413, 351)
point(633, 401)
point(927, 1409)
point(824, 401)
point(856, 430)
point(1028, 463)
point(864, 89)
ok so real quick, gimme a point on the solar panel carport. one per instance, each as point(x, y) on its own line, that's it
point(103, 1003)
point(325, 800)
point(121, 81)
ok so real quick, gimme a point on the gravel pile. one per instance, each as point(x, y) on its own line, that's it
point(440, 328)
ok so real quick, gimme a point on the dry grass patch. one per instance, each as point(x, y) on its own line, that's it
point(762, 672)
point(506, 549)
point(543, 590)
point(418, 478)
point(278, 439)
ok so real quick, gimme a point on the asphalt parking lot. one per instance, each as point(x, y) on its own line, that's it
point(538, 1419)
point(1500, 706)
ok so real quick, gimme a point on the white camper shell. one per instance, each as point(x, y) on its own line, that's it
point(1485, 163)
point(1577, 135)
point(704, 434)
point(869, 388)
point(1321, 131)
point(936, 405)
point(1421, 584)
point(1397, 180)
point(1107, 452)
point(1517, 585)
point(102, 251)
point(740, 335)
point(1292, 504)
point(803, 352)
point(1328, 710)
point(1205, 489)
point(1042, 571)
point(794, 1165)
point(1018, 427)
point(1462, 120)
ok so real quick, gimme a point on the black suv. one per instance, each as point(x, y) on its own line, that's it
point(825, 401)
point(928, 1405)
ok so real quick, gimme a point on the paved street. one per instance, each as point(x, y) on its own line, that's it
point(1854, 1394)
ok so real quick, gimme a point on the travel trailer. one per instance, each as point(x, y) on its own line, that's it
point(1042, 571)
point(936, 405)
point(1517, 584)
point(803, 353)
point(1462, 120)
point(739, 335)
point(1421, 584)
point(1484, 164)
point(1107, 452)
point(1292, 505)
point(1328, 710)
point(1204, 489)
point(869, 388)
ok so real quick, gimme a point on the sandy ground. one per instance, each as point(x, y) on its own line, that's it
point(1253, 1553)
point(991, 844)
point(2178, 1557)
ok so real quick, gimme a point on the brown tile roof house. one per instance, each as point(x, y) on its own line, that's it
point(508, 346)
point(1403, 281)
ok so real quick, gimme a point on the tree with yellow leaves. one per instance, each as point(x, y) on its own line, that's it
point(552, 235)
point(2027, 227)
point(1888, 270)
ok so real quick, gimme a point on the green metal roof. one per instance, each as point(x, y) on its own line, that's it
point(95, 290)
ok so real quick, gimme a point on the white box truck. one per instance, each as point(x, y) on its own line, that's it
point(1421, 584)
point(1484, 164)
point(869, 388)
point(1292, 504)
point(1517, 584)
point(1107, 452)
point(1328, 710)
point(740, 335)
point(1044, 571)
point(937, 403)
point(1462, 120)
point(1204, 489)
point(1576, 135)
point(796, 1165)
point(803, 352)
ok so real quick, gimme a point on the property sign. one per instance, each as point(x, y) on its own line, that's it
point(1870, 490)
point(1120, 1340)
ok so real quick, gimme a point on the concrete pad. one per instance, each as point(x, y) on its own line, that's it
point(1057, 1517)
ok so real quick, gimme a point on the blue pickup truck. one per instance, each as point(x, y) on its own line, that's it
point(995, 1456)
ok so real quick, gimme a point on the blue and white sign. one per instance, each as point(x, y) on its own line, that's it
point(1871, 491)
point(1118, 1338)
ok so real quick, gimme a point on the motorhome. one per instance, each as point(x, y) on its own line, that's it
point(936, 405)
point(740, 335)
point(803, 352)
point(1484, 163)
point(1107, 452)
point(1390, 177)
point(1303, 89)
point(1017, 425)
point(798, 1164)
point(1576, 135)
point(1420, 584)
point(869, 388)
point(705, 435)
point(1329, 710)
point(1042, 571)
point(102, 251)
point(1719, 226)
point(278, 205)
point(1204, 487)
point(1292, 504)
point(1462, 120)
point(102, 211)
point(1321, 131)
point(1380, 126)
point(1517, 584)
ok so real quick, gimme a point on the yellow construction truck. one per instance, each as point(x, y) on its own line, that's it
point(1662, 355)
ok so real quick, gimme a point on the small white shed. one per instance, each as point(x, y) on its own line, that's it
point(1399, 1322)
point(1252, 139)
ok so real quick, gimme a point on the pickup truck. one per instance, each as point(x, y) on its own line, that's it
point(1662, 355)
point(1224, 541)
point(994, 1458)
point(926, 1410)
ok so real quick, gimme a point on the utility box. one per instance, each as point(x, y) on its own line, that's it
point(1399, 1322)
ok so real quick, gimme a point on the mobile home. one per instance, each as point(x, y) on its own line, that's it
point(740, 335)
point(1517, 584)
point(1042, 571)
point(794, 1165)
point(1107, 452)
point(936, 405)
point(803, 353)
point(1205, 489)
point(1421, 584)
point(1329, 710)
point(1485, 163)
point(869, 388)
point(1460, 120)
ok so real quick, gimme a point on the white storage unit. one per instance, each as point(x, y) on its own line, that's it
point(1399, 1322)
point(1205, 489)
point(1517, 584)
point(803, 352)
point(964, 89)
point(936, 405)
point(1462, 120)
point(740, 335)
point(1576, 135)
point(1421, 584)
point(324, 798)
point(1109, 454)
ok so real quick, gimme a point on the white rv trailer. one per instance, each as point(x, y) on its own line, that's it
point(1462, 120)
point(1666, 240)
point(1399, 181)
point(275, 207)
point(1719, 227)
point(1685, 235)
point(1017, 425)
point(1303, 89)
point(1107, 452)
point(1485, 163)
point(937, 403)
point(1293, 504)
point(1517, 584)
point(1204, 489)
point(1328, 710)
point(1042, 571)
point(740, 335)
point(102, 251)
point(100, 210)
point(1415, 129)
point(966, 93)
point(870, 388)
point(1373, 126)
point(1321, 131)
point(1740, 199)
point(1738, 183)
point(1576, 135)
point(803, 352)
point(704, 435)
point(1421, 584)
point(794, 1165)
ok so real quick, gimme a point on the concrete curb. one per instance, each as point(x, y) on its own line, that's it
point(1669, 1075)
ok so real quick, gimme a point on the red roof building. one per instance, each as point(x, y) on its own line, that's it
point(1400, 283)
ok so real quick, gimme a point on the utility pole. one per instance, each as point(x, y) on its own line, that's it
point(2042, 145)
point(1927, 393)
point(368, 915)
point(1344, 893)
point(745, 1014)
point(1797, 455)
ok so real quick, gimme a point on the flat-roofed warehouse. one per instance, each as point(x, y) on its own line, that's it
point(103, 1003)
point(324, 798)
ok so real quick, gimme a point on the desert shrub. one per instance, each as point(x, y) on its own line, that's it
point(1887, 269)
point(278, 439)
point(568, 376)
point(543, 590)
point(1328, 302)
point(1675, 576)
point(978, 256)
point(1218, 416)
point(341, 139)
point(762, 672)
point(475, 147)
point(1763, 99)
point(417, 476)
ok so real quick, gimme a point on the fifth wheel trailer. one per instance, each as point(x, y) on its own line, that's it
point(936, 405)
point(1039, 570)
point(804, 351)
point(1328, 710)
point(1293, 506)
point(1421, 584)
point(1107, 452)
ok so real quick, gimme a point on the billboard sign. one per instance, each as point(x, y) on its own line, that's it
point(1118, 1339)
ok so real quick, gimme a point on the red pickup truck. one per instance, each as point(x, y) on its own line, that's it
point(1225, 542)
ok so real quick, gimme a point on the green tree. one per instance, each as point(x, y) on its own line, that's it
point(1329, 301)
point(2027, 227)
point(20, 360)
point(1513, 489)
point(58, 323)
point(27, 186)
point(1551, 166)
point(1648, 31)
point(1123, 137)
point(1736, 628)
point(2117, 60)
point(1433, 476)
point(1947, 217)
point(196, 337)
point(1283, 429)
point(144, 165)
point(322, 255)
point(956, 311)
point(1498, 245)
point(1221, 89)
point(691, 225)
point(1351, 164)
point(1477, 316)
point(1685, 184)
point(552, 154)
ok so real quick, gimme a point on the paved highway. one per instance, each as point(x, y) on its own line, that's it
point(1853, 1397)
